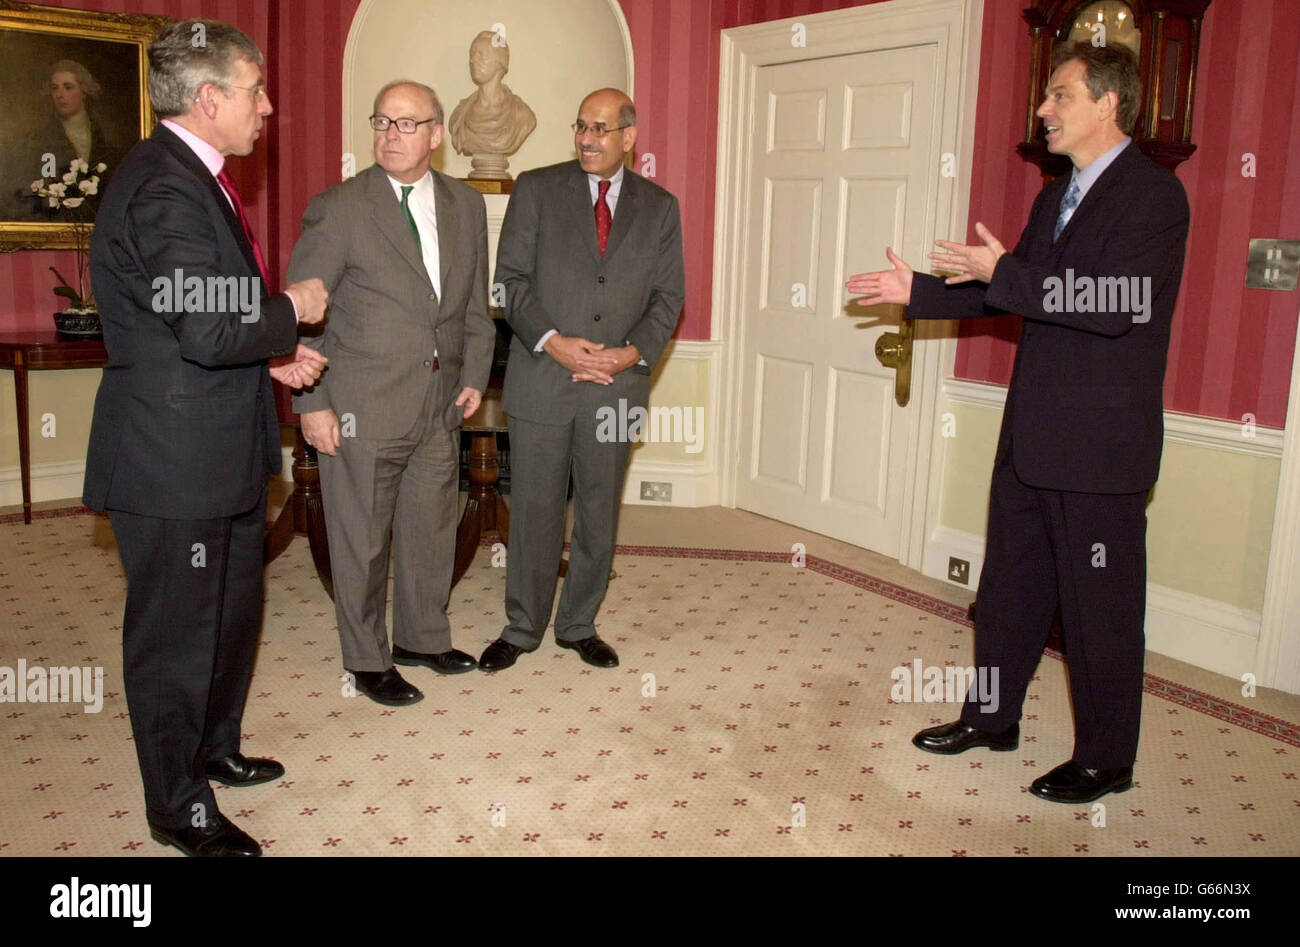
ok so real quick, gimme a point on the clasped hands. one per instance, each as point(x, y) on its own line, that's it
point(963, 262)
point(591, 361)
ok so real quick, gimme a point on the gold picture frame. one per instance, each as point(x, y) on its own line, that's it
point(105, 102)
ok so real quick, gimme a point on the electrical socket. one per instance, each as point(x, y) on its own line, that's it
point(657, 491)
point(958, 570)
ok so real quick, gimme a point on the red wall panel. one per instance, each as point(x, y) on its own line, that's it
point(1231, 350)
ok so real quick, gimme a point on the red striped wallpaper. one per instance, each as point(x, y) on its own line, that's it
point(1232, 347)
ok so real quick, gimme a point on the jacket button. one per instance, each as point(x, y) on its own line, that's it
point(600, 279)
point(428, 364)
point(433, 297)
point(597, 317)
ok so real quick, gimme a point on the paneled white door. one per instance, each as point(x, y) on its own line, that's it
point(842, 164)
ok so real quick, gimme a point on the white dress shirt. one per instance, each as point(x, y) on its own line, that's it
point(425, 213)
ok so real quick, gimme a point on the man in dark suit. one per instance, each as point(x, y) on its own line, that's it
point(591, 263)
point(184, 432)
point(1094, 276)
point(403, 252)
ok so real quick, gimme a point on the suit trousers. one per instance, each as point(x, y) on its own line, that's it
point(403, 492)
point(542, 458)
point(189, 637)
point(1087, 553)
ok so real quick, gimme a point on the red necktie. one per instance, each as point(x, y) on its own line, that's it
point(223, 178)
point(603, 217)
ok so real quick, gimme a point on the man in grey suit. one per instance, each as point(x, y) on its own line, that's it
point(403, 252)
point(590, 260)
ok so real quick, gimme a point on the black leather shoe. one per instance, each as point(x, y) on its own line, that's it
point(957, 737)
point(594, 651)
point(444, 662)
point(386, 687)
point(240, 770)
point(499, 655)
point(1073, 783)
point(219, 838)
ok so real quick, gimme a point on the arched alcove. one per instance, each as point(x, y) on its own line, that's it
point(558, 53)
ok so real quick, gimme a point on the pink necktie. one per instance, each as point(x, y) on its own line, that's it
point(603, 217)
point(223, 178)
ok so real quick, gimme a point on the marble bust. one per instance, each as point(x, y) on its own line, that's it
point(492, 122)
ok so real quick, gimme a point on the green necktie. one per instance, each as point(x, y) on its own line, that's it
point(406, 209)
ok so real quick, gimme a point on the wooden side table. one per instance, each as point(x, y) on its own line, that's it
point(31, 351)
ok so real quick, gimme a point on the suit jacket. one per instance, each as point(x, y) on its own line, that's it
point(549, 263)
point(385, 320)
point(184, 424)
point(1085, 409)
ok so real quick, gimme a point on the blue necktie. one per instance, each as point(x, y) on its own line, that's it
point(1068, 204)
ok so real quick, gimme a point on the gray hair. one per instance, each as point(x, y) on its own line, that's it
point(627, 114)
point(427, 90)
point(189, 54)
point(85, 81)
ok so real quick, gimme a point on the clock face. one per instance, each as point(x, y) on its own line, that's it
point(1106, 22)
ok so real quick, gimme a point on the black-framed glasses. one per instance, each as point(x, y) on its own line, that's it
point(596, 128)
point(406, 126)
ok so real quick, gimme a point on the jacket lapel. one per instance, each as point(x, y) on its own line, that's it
point(580, 207)
point(386, 211)
point(173, 143)
point(1097, 195)
point(624, 213)
point(449, 229)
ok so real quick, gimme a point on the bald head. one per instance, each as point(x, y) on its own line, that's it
point(615, 98)
point(414, 88)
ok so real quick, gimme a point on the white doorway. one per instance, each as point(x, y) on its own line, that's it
point(829, 151)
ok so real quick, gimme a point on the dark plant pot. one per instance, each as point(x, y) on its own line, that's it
point(78, 324)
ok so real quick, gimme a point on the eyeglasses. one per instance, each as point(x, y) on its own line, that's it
point(406, 126)
point(596, 128)
point(259, 91)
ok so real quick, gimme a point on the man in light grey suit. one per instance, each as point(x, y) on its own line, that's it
point(590, 259)
point(403, 251)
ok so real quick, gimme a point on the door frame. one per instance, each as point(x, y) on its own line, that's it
point(1277, 662)
point(955, 27)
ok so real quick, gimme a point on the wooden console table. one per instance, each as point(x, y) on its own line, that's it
point(32, 351)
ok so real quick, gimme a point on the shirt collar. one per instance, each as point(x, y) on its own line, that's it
point(212, 159)
point(1088, 176)
point(423, 187)
point(615, 179)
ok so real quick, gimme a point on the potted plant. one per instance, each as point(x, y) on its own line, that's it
point(68, 194)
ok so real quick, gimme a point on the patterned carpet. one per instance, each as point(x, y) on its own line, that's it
point(766, 728)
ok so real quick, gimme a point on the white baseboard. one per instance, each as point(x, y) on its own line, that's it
point(63, 480)
point(945, 542)
point(693, 484)
point(1201, 631)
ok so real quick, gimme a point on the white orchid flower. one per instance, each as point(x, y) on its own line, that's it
point(74, 202)
point(101, 167)
point(54, 202)
point(37, 186)
point(69, 177)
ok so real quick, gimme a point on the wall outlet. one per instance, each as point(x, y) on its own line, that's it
point(958, 570)
point(657, 491)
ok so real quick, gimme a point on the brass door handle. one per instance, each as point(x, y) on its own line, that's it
point(894, 350)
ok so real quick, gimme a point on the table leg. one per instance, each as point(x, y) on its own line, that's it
point(24, 442)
